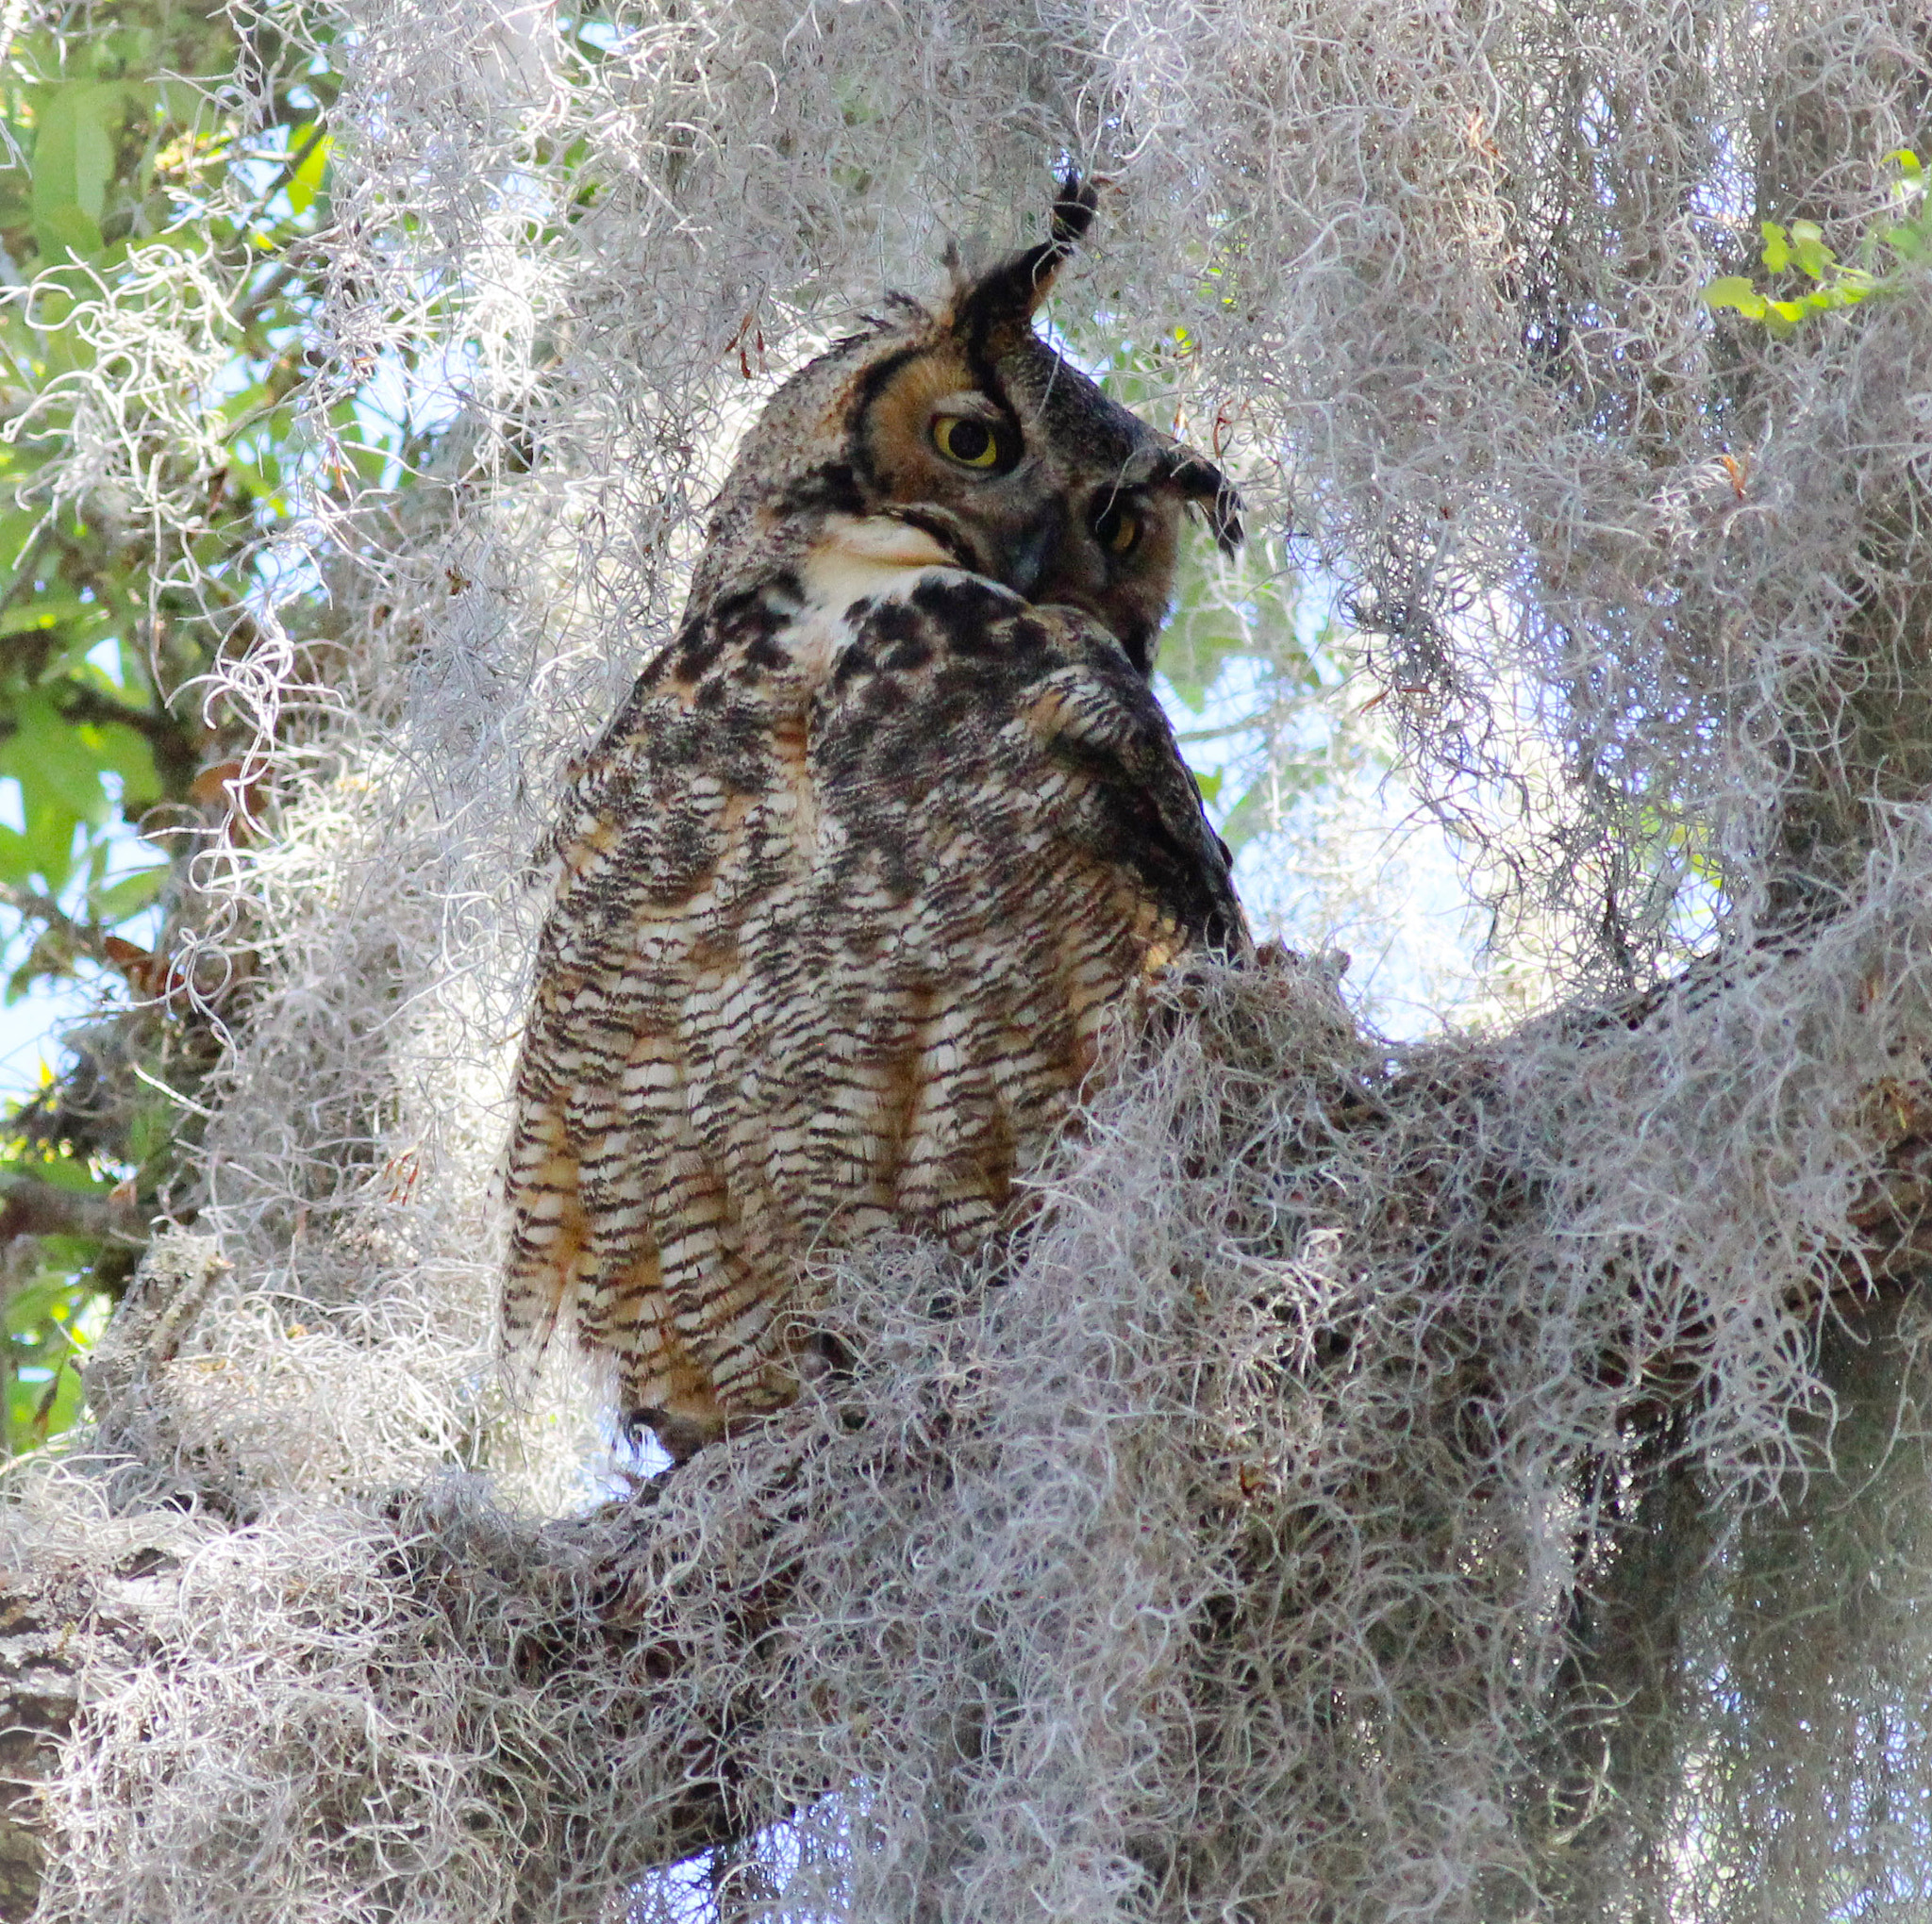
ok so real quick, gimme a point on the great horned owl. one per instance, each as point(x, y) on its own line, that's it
point(854, 877)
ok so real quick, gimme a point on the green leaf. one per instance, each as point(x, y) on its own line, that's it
point(49, 759)
point(151, 1130)
point(127, 895)
point(44, 1392)
point(81, 635)
point(1906, 162)
point(45, 612)
point(306, 182)
point(18, 546)
point(123, 748)
point(180, 101)
point(1734, 290)
point(1246, 819)
point(68, 233)
point(46, 850)
point(1777, 254)
point(57, 135)
point(99, 115)
point(78, 124)
point(1808, 249)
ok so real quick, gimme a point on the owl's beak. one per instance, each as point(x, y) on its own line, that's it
point(1029, 553)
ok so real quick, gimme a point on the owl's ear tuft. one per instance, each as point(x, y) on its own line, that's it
point(994, 310)
point(900, 310)
point(1074, 207)
point(1207, 488)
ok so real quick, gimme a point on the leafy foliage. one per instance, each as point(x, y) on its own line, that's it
point(1887, 256)
point(52, 1312)
point(120, 134)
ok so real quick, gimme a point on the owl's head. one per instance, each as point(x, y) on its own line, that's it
point(961, 420)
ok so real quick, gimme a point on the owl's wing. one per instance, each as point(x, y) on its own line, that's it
point(1020, 851)
point(962, 710)
point(680, 825)
point(833, 955)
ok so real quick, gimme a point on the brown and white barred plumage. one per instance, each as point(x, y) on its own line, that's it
point(856, 875)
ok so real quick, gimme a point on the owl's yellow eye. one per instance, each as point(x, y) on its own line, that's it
point(1116, 526)
point(963, 439)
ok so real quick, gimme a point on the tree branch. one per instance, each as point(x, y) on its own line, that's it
point(83, 939)
point(175, 750)
point(53, 1627)
point(31, 1207)
point(550, 1604)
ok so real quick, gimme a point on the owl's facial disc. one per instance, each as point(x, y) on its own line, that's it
point(939, 449)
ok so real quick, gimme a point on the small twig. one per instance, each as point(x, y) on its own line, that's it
point(154, 1082)
point(86, 938)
